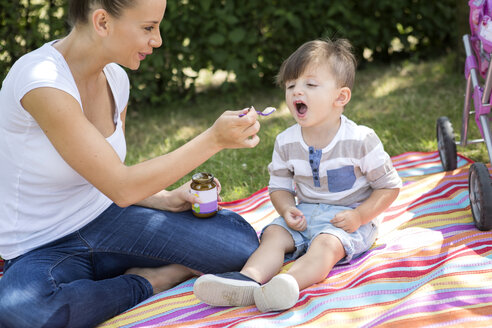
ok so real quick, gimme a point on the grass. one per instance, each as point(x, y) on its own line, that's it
point(401, 102)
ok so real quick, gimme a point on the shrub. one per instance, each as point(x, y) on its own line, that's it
point(247, 38)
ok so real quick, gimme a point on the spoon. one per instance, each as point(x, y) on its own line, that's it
point(267, 111)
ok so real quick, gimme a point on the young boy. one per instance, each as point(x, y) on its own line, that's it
point(340, 173)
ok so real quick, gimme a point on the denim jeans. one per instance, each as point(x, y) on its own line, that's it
point(79, 280)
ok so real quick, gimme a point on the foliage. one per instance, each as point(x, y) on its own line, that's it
point(26, 25)
point(248, 39)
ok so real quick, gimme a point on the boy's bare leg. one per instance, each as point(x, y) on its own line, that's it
point(268, 258)
point(282, 291)
point(164, 278)
point(237, 288)
point(324, 252)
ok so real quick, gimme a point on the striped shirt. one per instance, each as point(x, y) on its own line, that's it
point(343, 173)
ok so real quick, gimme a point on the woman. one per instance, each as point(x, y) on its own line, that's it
point(77, 249)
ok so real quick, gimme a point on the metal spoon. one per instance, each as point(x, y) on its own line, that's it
point(267, 111)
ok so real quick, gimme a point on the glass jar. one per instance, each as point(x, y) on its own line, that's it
point(204, 187)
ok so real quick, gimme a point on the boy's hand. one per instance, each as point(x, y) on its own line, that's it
point(348, 220)
point(295, 219)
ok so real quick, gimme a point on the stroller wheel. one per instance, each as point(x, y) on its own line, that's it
point(446, 144)
point(480, 188)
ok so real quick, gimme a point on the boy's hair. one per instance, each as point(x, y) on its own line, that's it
point(338, 54)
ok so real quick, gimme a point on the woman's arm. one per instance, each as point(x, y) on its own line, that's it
point(177, 200)
point(87, 152)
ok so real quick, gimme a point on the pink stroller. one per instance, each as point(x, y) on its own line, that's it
point(478, 73)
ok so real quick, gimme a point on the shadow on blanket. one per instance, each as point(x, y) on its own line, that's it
point(429, 266)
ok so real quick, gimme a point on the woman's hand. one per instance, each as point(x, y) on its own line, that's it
point(177, 200)
point(232, 131)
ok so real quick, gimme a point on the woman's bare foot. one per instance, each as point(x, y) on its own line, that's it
point(164, 278)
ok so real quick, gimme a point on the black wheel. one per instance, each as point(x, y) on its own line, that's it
point(446, 144)
point(480, 188)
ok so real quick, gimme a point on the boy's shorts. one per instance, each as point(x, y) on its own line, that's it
point(318, 218)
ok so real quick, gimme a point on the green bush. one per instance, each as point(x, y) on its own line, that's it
point(26, 25)
point(248, 38)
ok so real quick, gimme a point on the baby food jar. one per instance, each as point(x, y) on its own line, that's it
point(204, 187)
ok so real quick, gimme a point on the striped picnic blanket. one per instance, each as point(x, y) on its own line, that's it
point(429, 267)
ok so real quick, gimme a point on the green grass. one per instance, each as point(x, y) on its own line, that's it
point(401, 102)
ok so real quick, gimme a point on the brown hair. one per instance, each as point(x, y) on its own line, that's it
point(338, 54)
point(78, 10)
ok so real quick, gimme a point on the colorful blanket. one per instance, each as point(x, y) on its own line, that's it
point(430, 267)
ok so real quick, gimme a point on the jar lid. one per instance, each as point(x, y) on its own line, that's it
point(202, 177)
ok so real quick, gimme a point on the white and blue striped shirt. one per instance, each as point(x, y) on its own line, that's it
point(343, 173)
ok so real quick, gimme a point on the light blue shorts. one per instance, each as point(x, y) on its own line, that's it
point(318, 218)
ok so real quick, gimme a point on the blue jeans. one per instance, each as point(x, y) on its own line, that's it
point(79, 280)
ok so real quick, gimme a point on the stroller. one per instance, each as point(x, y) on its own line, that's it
point(478, 72)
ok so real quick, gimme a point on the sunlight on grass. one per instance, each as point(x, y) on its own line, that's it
point(187, 132)
point(387, 85)
point(238, 192)
point(428, 145)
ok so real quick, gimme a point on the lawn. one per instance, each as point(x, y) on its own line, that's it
point(401, 102)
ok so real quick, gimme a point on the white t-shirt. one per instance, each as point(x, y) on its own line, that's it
point(343, 173)
point(41, 197)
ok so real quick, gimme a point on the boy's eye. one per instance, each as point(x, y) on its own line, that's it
point(290, 86)
point(149, 28)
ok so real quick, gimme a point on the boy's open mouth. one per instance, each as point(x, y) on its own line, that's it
point(301, 107)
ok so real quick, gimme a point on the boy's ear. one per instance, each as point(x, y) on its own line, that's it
point(343, 97)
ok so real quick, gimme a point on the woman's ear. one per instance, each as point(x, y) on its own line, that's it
point(100, 21)
point(343, 97)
